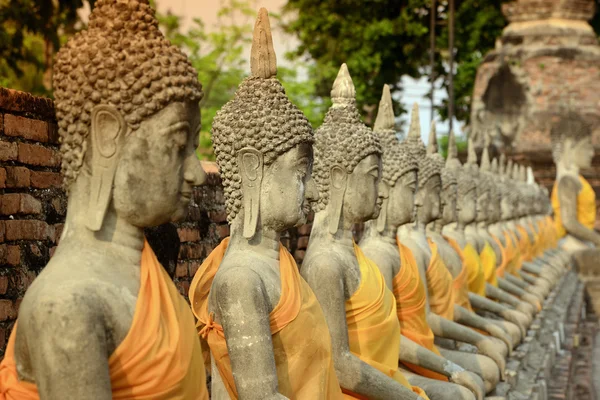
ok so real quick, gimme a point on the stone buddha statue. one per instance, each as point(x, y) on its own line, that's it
point(351, 289)
point(103, 320)
point(266, 331)
point(441, 308)
point(379, 243)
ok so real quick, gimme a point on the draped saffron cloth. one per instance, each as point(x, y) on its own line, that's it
point(476, 276)
point(488, 262)
point(461, 282)
point(586, 207)
point(373, 327)
point(439, 285)
point(411, 300)
point(159, 359)
point(301, 339)
point(501, 269)
point(525, 246)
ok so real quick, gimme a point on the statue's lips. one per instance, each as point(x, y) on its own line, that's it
point(186, 196)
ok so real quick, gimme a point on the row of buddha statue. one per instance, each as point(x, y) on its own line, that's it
point(454, 263)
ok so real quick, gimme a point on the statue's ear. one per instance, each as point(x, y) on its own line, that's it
point(339, 178)
point(108, 130)
point(384, 193)
point(250, 162)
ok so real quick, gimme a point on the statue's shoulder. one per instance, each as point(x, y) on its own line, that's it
point(569, 184)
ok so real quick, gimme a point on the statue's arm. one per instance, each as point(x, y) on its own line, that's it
point(468, 318)
point(243, 311)
point(325, 277)
point(451, 330)
point(516, 281)
point(482, 303)
point(414, 353)
point(67, 345)
point(568, 188)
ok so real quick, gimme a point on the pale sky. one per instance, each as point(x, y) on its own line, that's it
point(414, 90)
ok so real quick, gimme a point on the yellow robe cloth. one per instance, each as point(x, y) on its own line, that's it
point(525, 246)
point(439, 285)
point(501, 269)
point(516, 260)
point(159, 359)
point(461, 282)
point(488, 262)
point(373, 326)
point(411, 301)
point(586, 207)
point(476, 276)
point(301, 339)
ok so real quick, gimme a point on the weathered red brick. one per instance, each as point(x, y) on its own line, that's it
point(303, 242)
point(19, 203)
point(223, 231)
point(218, 216)
point(2, 231)
point(193, 267)
point(188, 234)
point(53, 133)
point(7, 310)
point(181, 270)
point(3, 288)
point(304, 230)
point(299, 256)
point(17, 177)
point(45, 179)
point(31, 129)
point(191, 251)
point(58, 229)
point(13, 255)
point(34, 154)
point(2, 178)
point(8, 151)
point(52, 250)
point(25, 230)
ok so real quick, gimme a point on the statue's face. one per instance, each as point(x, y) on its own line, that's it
point(506, 207)
point(158, 167)
point(468, 207)
point(449, 204)
point(362, 201)
point(494, 210)
point(483, 204)
point(402, 200)
point(287, 189)
point(583, 152)
point(428, 201)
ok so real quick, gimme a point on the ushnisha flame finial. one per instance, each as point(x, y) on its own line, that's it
point(486, 165)
point(414, 131)
point(530, 176)
point(343, 91)
point(263, 62)
point(495, 168)
point(432, 146)
point(472, 155)
point(385, 115)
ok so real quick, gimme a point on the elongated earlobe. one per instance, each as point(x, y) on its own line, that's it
point(339, 178)
point(108, 131)
point(250, 162)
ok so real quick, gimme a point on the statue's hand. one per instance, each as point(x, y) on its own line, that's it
point(526, 309)
point(488, 348)
point(512, 316)
point(471, 381)
point(499, 333)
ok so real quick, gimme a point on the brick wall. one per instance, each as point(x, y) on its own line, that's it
point(33, 208)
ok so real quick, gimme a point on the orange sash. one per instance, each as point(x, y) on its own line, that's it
point(373, 327)
point(476, 276)
point(586, 207)
point(461, 283)
point(159, 359)
point(488, 262)
point(524, 244)
point(411, 301)
point(301, 339)
point(439, 285)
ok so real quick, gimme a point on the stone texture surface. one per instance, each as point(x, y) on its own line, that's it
point(546, 63)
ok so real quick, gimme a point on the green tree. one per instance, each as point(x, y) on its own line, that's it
point(379, 40)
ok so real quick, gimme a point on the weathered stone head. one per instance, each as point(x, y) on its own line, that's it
point(495, 210)
point(128, 117)
point(263, 147)
point(466, 189)
point(347, 160)
point(427, 197)
point(448, 196)
point(399, 170)
point(481, 182)
point(486, 182)
point(572, 147)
